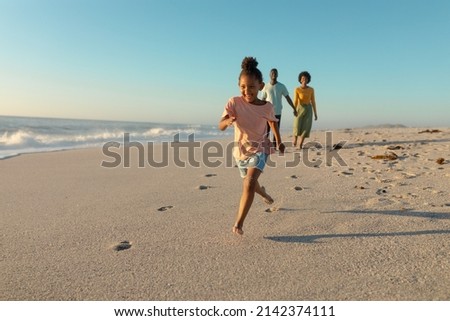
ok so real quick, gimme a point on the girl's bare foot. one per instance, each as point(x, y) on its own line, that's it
point(266, 197)
point(237, 230)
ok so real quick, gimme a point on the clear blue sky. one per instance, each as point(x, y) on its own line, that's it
point(177, 61)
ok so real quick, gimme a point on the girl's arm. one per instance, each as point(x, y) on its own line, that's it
point(225, 122)
point(274, 126)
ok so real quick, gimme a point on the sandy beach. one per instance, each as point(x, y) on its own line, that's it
point(368, 221)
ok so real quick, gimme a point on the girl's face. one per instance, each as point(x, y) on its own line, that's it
point(250, 86)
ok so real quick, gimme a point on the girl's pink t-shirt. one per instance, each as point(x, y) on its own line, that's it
point(250, 126)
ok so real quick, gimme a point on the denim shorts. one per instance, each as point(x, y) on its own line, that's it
point(257, 160)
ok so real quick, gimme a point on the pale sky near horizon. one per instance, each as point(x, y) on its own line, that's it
point(177, 61)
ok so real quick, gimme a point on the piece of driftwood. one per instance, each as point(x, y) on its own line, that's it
point(387, 155)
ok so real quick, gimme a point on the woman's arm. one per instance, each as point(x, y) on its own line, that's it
point(296, 98)
point(292, 104)
point(313, 103)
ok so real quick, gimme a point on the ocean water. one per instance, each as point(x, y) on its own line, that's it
point(20, 135)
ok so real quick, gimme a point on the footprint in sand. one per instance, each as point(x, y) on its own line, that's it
point(381, 191)
point(203, 187)
point(379, 202)
point(409, 175)
point(337, 146)
point(124, 245)
point(272, 209)
point(298, 188)
point(210, 175)
point(293, 176)
point(412, 195)
point(165, 208)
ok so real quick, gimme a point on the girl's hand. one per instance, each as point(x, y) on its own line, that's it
point(226, 122)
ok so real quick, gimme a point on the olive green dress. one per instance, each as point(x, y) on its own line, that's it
point(303, 121)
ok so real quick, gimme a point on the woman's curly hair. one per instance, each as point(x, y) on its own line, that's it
point(306, 74)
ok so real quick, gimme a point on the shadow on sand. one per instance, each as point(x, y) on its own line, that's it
point(317, 238)
point(404, 213)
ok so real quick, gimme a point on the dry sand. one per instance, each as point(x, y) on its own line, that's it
point(370, 229)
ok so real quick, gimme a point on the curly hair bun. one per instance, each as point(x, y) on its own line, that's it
point(249, 63)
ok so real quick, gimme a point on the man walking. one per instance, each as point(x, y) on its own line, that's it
point(273, 92)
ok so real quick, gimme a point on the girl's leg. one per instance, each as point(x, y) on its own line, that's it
point(262, 191)
point(248, 194)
